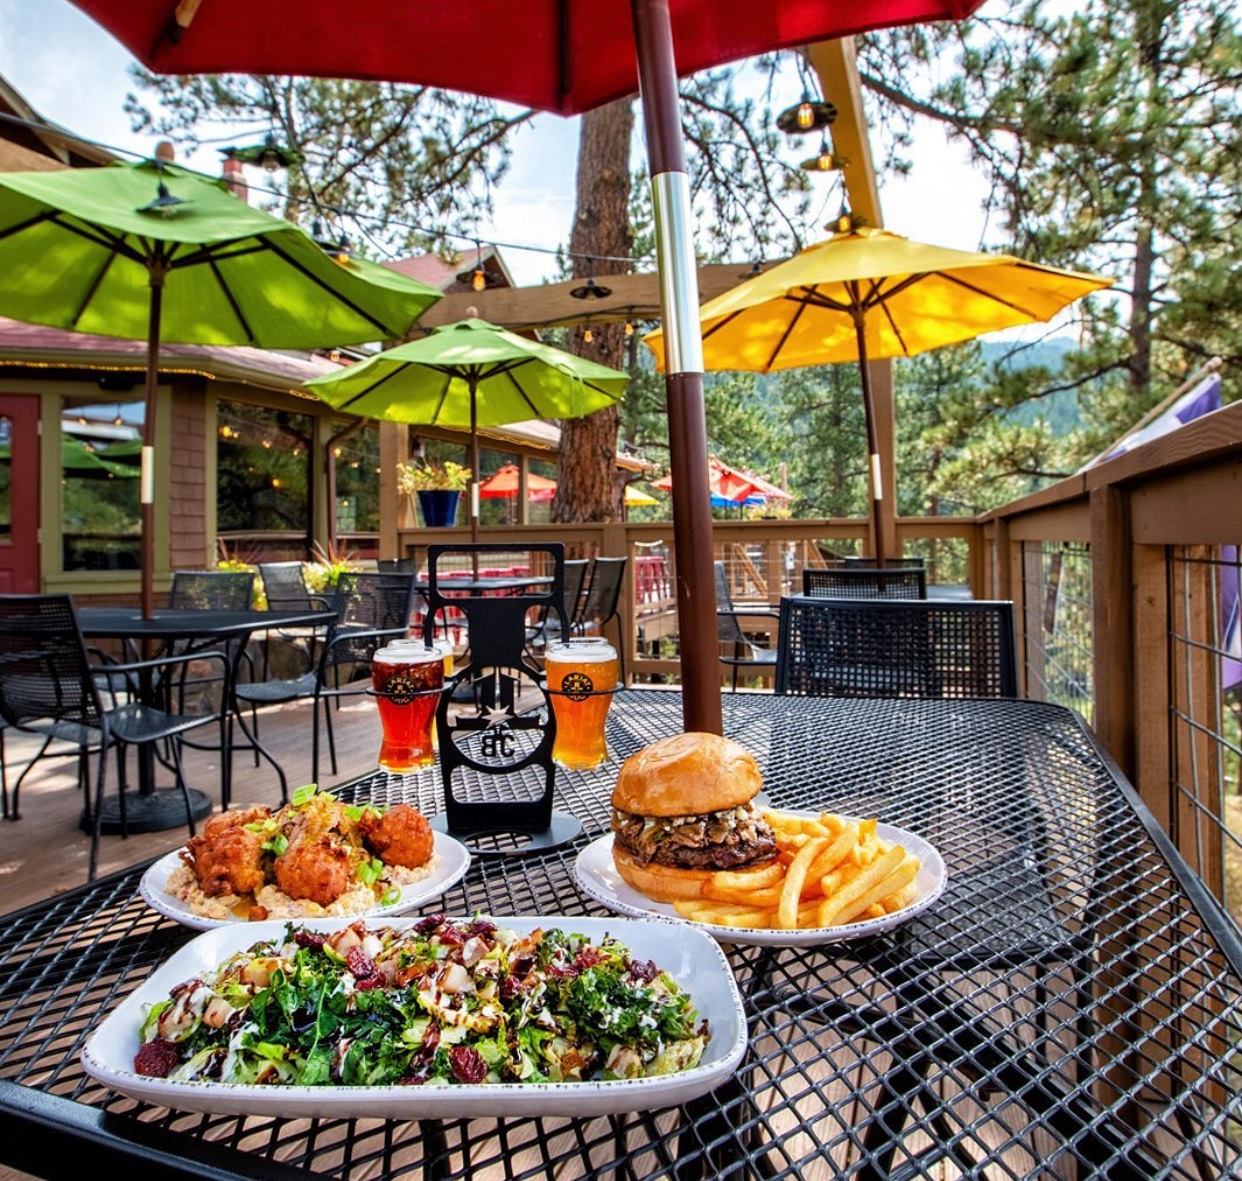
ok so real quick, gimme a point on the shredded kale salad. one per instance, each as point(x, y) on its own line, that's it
point(441, 1001)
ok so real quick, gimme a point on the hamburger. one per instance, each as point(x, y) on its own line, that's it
point(684, 808)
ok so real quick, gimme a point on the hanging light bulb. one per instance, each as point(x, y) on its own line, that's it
point(805, 118)
point(629, 328)
point(118, 420)
point(824, 161)
point(588, 336)
point(478, 280)
point(275, 481)
point(267, 444)
point(334, 355)
point(809, 115)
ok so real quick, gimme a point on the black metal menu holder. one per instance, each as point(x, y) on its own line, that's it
point(497, 739)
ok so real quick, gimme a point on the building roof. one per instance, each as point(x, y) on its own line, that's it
point(24, 148)
point(454, 272)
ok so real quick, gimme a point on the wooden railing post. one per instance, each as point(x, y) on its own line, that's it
point(1112, 641)
point(394, 448)
point(1152, 768)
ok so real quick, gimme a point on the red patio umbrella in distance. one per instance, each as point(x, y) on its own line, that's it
point(730, 483)
point(573, 56)
point(503, 484)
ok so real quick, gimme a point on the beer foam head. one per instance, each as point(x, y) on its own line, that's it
point(403, 651)
point(592, 650)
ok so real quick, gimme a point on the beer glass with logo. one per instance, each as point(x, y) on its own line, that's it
point(582, 675)
point(407, 677)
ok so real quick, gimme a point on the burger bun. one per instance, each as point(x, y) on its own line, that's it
point(685, 775)
point(666, 883)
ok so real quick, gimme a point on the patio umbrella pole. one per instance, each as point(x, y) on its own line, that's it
point(146, 484)
point(683, 379)
point(873, 449)
point(474, 472)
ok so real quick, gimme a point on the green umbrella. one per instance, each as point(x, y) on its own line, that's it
point(95, 249)
point(471, 374)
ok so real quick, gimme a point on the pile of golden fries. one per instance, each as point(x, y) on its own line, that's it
point(828, 872)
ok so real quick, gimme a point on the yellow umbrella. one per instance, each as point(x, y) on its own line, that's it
point(635, 497)
point(869, 294)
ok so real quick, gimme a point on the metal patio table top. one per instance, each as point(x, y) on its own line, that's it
point(189, 623)
point(1069, 1008)
point(487, 582)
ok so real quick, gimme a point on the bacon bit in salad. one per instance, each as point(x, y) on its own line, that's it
point(467, 1065)
point(157, 1059)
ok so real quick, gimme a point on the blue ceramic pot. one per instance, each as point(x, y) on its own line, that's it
point(439, 507)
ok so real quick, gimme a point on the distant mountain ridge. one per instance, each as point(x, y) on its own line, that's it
point(1060, 410)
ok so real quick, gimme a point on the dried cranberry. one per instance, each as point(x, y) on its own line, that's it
point(467, 1065)
point(308, 939)
point(522, 965)
point(644, 970)
point(510, 988)
point(369, 983)
point(588, 957)
point(360, 964)
point(429, 924)
point(431, 1041)
point(157, 1059)
point(450, 936)
point(417, 1076)
point(482, 927)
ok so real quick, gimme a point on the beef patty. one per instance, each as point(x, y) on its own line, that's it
point(729, 839)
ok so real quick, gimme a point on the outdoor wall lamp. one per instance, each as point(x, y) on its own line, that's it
point(591, 290)
point(269, 155)
point(807, 116)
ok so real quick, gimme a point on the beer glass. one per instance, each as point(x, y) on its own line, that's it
point(406, 677)
point(582, 675)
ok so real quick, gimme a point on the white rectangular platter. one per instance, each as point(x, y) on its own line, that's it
point(690, 956)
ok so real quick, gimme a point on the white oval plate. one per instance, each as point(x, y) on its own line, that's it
point(692, 958)
point(454, 861)
point(598, 877)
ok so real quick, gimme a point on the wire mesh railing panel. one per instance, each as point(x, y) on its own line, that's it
point(1205, 714)
point(1056, 625)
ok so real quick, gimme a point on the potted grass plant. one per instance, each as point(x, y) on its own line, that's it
point(439, 487)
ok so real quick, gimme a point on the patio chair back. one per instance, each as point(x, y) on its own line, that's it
point(395, 566)
point(44, 671)
point(603, 592)
point(225, 590)
point(882, 648)
point(863, 582)
point(284, 586)
point(377, 601)
point(728, 630)
point(575, 580)
point(872, 563)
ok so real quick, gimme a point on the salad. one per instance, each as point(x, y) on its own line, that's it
point(441, 1001)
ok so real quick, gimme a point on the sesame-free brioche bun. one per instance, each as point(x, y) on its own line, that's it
point(663, 883)
point(685, 775)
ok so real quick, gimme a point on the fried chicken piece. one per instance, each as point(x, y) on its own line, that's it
point(398, 836)
point(315, 869)
point(218, 823)
point(227, 859)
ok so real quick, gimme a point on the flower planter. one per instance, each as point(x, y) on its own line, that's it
point(439, 507)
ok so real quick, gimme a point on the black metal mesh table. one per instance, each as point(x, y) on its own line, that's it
point(1069, 1008)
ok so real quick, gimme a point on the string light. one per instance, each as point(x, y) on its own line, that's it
point(275, 481)
point(588, 336)
point(267, 444)
point(629, 328)
point(805, 117)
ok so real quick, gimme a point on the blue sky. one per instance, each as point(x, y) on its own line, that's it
point(76, 74)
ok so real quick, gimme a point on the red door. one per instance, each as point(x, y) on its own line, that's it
point(19, 494)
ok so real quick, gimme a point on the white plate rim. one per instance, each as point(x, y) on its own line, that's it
point(340, 1101)
point(454, 864)
point(766, 936)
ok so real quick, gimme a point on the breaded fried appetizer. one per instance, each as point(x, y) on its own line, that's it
point(398, 836)
point(316, 869)
point(227, 858)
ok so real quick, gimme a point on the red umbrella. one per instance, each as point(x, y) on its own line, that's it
point(502, 484)
point(558, 55)
point(733, 484)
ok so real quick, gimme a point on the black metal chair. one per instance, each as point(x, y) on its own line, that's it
point(220, 590)
point(600, 603)
point(851, 562)
point(368, 609)
point(396, 566)
point(865, 582)
point(285, 588)
point(49, 688)
point(883, 648)
point(548, 630)
point(737, 649)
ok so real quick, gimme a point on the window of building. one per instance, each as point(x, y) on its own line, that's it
point(101, 454)
point(358, 482)
point(263, 469)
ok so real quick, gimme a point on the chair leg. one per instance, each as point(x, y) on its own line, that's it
point(254, 721)
point(4, 777)
point(17, 787)
point(331, 736)
point(315, 738)
point(120, 800)
point(185, 791)
point(100, 784)
point(226, 757)
point(735, 668)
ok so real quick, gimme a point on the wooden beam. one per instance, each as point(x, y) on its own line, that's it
point(1112, 635)
point(524, 309)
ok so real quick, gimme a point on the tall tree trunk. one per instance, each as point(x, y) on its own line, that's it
point(1141, 309)
point(587, 485)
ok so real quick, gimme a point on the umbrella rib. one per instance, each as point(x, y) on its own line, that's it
point(349, 303)
point(107, 241)
point(374, 385)
point(986, 294)
point(30, 222)
point(448, 381)
point(780, 344)
point(517, 385)
point(875, 296)
point(817, 299)
point(720, 324)
point(893, 325)
point(90, 291)
point(228, 294)
point(210, 254)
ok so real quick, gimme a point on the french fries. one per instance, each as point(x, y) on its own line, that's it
point(829, 871)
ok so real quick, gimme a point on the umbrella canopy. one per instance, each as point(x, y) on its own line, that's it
point(153, 250)
point(471, 374)
point(868, 294)
point(504, 484)
point(730, 486)
point(635, 497)
point(574, 56)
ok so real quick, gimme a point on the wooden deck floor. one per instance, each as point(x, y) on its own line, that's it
point(44, 852)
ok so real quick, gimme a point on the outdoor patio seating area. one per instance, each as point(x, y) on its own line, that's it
point(491, 702)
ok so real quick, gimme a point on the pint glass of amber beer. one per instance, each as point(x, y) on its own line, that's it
point(582, 675)
point(406, 677)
